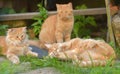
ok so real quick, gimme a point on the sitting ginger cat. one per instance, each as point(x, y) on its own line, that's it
point(85, 52)
point(15, 44)
point(58, 27)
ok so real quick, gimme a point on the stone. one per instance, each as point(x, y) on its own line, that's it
point(2, 58)
point(23, 67)
point(41, 52)
point(46, 70)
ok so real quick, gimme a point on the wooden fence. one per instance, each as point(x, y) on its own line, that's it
point(23, 16)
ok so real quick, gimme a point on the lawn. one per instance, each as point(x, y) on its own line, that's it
point(65, 67)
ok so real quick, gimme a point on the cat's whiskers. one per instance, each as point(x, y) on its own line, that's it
point(15, 42)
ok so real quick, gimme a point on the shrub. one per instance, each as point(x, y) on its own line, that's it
point(3, 29)
point(39, 19)
point(82, 23)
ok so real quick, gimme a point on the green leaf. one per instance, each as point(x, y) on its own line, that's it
point(76, 29)
point(81, 24)
point(91, 20)
point(39, 19)
point(81, 7)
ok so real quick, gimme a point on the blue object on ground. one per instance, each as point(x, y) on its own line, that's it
point(41, 52)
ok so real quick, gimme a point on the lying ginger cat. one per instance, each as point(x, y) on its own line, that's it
point(15, 44)
point(85, 52)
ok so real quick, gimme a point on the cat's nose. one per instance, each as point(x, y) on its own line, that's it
point(20, 39)
point(69, 14)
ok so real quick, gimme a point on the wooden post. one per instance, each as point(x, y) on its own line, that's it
point(109, 22)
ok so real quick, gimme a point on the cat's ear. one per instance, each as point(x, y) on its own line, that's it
point(58, 6)
point(24, 29)
point(10, 30)
point(70, 4)
point(48, 45)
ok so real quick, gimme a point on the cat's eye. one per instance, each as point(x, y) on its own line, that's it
point(69, 14)
point(17, 36)
point(71, 11)
point(22, 36)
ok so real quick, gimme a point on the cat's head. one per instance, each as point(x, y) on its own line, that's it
point(16, 35)
point(53, 48)
point(65, 11)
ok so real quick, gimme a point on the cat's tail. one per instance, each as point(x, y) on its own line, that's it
point(37, 43)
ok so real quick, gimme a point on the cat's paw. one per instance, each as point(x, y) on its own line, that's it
point(32, 53)
point(15, 60)
point(30, 48)
point(35, 54)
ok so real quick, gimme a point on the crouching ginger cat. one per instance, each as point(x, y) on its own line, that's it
point(58, 27)
point(15, 44)
point(85, 52)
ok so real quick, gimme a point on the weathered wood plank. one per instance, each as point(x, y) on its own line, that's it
point(93, 11)
point(21, 16)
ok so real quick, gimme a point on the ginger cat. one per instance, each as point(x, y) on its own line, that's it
point(85, 52)
point(15, 44)
point(57, 28)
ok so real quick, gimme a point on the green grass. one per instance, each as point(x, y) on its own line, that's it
point(6, 67)
point(117, 51)
point(65, 67)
